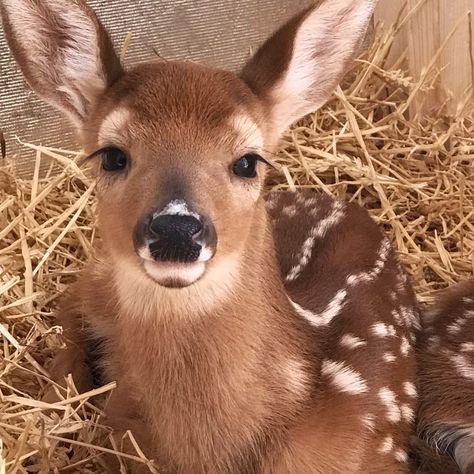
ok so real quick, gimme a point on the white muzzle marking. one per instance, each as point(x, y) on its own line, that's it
point(184, 274)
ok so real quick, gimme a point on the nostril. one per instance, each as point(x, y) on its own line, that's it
point(175, 227)
point(171, 237)
point(196, 228)
point(198, 233)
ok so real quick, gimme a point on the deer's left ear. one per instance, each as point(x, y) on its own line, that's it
point(63, 51)
point(298, 68)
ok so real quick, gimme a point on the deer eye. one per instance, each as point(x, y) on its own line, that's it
point(245, 167)
point(113, 159)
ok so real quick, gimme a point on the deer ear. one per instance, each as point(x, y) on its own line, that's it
point(298, 68)
point(63, 51)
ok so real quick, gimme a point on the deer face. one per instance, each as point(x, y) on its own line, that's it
point(180, 161)
point(180, 149)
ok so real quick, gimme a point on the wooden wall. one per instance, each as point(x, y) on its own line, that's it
point(437, 33)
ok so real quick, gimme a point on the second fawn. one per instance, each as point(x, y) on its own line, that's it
point(446, 383)
point(246, 335)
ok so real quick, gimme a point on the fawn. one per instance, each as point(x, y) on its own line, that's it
point(446, 383)
point(247, 334)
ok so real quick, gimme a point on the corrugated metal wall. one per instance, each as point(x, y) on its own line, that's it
point(221, 33)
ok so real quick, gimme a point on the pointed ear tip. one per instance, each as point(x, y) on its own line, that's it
point(343, 4)
point(88, 65)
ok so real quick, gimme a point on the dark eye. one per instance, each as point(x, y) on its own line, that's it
point(113, 159)
point(245, 167)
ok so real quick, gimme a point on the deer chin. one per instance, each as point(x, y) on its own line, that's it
point(174, 274)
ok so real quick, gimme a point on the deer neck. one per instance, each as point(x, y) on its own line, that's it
point(248, 317)
point(245, 364)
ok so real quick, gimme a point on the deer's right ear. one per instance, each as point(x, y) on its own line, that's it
point(63, 51)
point(298, 68)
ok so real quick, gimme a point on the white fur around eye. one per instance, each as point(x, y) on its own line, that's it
point(250, 135)
point(112, 128)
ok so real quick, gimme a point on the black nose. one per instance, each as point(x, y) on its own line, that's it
point(172, 238)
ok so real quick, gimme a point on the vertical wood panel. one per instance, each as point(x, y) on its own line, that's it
point(424, 34)
point(456, 76)
point(423, 43)
point(386, 13)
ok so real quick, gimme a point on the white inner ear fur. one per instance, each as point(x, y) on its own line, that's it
point(72, 67)
point(113, 125)
point(336, 27)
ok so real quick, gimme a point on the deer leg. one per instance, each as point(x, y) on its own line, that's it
point(123, 415)
point(80, 357)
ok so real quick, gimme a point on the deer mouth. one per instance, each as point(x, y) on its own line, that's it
point(174, 274)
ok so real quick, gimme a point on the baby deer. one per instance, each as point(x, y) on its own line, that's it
point(446, 380)
point(246, 335)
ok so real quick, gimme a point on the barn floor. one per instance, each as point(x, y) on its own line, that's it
point(366, 145)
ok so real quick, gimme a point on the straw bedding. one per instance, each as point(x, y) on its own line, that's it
point(413, 175)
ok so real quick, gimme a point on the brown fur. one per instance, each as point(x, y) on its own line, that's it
point(446, 396)
point(228, 374)
point(321, 430)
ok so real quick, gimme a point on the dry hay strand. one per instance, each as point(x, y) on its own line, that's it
point(414, 175)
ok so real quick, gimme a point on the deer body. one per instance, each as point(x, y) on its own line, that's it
point(314, 377)
point(245, 335)
point(446, 381)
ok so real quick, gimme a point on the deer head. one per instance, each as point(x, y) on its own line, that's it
point(180, 148)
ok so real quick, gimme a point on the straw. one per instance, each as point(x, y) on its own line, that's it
point(413, 174)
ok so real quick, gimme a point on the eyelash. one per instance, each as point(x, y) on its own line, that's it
point(104, 150)
point(98, 152)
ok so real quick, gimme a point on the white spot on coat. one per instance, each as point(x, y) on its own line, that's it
point(410, 389)
point(332, 219)
point(324, 318)
point(407, 413)
point(463, 366)
point(467, 347)
point(456, 326)
point(401, 456)
point(344, 378)
point(365, 277)
point(289, 211)
point(386, 446)
point(351, 342)
point(389, 357)
point(383, 330)
point(389, 399)
point(405, 346)
point(296, 375)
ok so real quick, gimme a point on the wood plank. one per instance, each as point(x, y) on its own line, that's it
point(456, 78)
point(386, 14)
point(423, 36)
